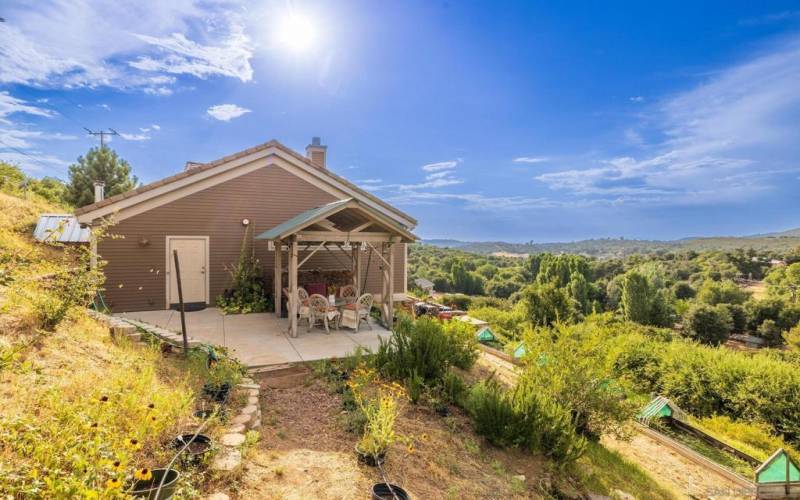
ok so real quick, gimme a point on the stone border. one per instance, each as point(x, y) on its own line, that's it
point(125, 327)
point(249, 418)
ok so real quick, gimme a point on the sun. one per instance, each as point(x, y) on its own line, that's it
point(296, 32)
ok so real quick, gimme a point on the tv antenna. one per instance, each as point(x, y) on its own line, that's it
point(102, 134)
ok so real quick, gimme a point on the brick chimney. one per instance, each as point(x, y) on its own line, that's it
point(316, 152)
point(99, 191)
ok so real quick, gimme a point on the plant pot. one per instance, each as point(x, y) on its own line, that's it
point(386, 491)
point(197, 450)
point(369, 459)
point(149, 489)
point(217, 392)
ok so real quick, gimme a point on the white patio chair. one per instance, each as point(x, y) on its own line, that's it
point(354, 314)
point(349, 294)
point(322, 311)
point(303, 309)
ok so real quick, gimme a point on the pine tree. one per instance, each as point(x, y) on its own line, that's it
point(99, 164)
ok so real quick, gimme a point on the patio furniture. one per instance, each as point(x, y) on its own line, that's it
point(322, 311)
point(303, 309)
point(349, 294)
point(319, 288)
point(353, 314)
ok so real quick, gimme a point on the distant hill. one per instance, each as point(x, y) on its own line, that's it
point(620, 247)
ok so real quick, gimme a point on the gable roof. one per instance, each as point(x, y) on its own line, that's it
point(107, 206)
point(309, 217)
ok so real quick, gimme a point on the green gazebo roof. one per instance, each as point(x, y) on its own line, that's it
point(485, 334)
point(775, 468)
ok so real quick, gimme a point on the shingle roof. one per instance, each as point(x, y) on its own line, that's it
point(225, 159)
point(60, 228)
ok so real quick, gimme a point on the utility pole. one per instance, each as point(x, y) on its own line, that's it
point(102, 134)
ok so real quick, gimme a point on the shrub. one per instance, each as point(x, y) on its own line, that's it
point(379, 406)
point(526, 418)
point(423, 348)
point(454, 388)
point(707, 324)
point(248, 292)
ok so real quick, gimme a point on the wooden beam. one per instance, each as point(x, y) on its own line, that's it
point(379, 254)
point(327, 224)
point(311, 254)
point(293, 298)
point(390, 287)
point(361, 227)
point(278, 277)
point(356, 258)
point(342, 236)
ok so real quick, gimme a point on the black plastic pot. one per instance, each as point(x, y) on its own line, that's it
point(385, 491)
point(197, 450)
point(369, 459)
point(218, 393)
point(149, 489)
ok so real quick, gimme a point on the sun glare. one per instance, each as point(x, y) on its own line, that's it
point(296, 32)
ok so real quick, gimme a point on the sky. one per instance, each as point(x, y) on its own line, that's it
point(514, 121)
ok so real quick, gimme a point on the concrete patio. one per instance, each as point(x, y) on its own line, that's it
point(261, 339)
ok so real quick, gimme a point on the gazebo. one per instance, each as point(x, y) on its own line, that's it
point(343, 226)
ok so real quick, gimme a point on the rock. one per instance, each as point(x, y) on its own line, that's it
point(597, 496)
point(249, 410)
point(519, 477)
point(227, 459)
point(248, 380)
point(621, 495)
point(256, 424)
point(248, 386)
point(218, 496)
point(233, 429)
point(241, 419)
point(234, 439)
point(252, 392)
point(252, 400)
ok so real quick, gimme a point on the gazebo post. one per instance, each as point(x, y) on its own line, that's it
point(293, 286)
point(356, 258)
point(278, 277)
point(390, 287)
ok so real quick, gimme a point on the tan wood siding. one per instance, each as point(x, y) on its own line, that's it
point(136, 273)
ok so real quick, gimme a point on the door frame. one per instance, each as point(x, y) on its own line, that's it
point(169, 262)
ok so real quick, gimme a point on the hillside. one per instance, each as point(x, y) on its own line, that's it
point(619, 247)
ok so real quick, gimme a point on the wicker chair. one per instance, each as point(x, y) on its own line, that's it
point(356, 313)
point(320, 310)
point(303, 309)
point(349, 294)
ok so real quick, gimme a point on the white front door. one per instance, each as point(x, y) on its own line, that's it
point(193, 259)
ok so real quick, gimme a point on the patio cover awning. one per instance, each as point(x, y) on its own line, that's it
point(341, 220)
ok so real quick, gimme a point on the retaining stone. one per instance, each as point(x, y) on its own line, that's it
point(241, 419)
point(248, 386)
point(236, 428)
point(227, 459)
point(218, 496)
point(234, 439)
point(252, 400)
point(256, 424)
point(249, 410)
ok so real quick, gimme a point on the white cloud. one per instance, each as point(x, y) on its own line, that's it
point(134, 137)
point(155, 126)
point(123, 44)
point(226, 112)
point(636, 98)
point(729, 139)
point(442, 165)
point(10, 104)
point(530, 159)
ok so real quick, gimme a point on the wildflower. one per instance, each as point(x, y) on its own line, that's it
point(410, 448)
point(424, 437)
point(103, 398)
point(143, 474)
point(114, 483)
point(34, 473)
point(152, 418)
point(134, 443)
point(151, 406)
point(116, 465)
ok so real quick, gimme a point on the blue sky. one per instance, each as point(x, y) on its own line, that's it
point(543, 121)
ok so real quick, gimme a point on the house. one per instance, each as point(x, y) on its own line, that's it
point(425, 285)
point(306, 225)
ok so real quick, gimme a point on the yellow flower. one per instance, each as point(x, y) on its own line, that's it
point(116, 465)
point(424, 436)
point(134, 443)
point(143, 474)
point(114, 483)
point(410, 448)
point(34, 473)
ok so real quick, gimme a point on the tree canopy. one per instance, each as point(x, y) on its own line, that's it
point(100, 164)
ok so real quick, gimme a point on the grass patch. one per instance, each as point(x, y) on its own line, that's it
point(601, 470)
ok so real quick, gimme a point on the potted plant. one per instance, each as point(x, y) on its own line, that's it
point(379, 403)
point(386, 491)
point(197, 450)
point(222, 374)
point(147, 483)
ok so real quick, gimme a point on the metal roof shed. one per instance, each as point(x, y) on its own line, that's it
point(60, 228)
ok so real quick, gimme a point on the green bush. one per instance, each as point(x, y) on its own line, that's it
point(454, 388)
point(424, 348)
point(708, 324)
point(525, 418)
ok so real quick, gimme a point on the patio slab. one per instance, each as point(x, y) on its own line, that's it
point(260, 339)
